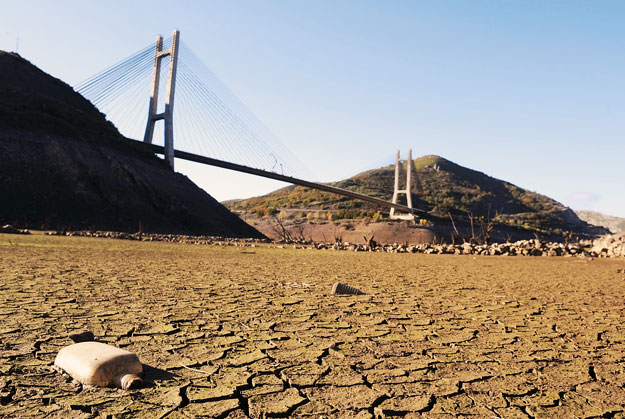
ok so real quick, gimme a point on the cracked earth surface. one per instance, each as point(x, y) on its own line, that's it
point(235, 333)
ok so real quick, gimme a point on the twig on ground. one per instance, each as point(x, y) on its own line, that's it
point(195, 369)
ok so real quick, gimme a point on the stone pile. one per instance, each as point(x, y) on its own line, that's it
point(170, 238)
point(605, 246)
point(532, 247)
point(9, 229)
point(610, 245)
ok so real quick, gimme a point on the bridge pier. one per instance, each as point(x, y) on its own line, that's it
point(405, 191)
point(168, 114)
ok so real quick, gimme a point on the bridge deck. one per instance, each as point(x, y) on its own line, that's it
point(271, 175)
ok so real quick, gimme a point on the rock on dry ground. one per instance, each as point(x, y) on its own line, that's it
point(233, 333)
point(610, 245)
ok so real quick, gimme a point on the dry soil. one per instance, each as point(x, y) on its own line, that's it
point(254, 332)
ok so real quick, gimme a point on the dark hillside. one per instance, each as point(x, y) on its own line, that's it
point(64, 166)
point(35, 102)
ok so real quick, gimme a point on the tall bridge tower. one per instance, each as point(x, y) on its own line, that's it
point(406, 190)
point(168, 114)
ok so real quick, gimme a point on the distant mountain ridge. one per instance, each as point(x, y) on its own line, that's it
point(614, 224)
point(440, 187)
point(65, 166)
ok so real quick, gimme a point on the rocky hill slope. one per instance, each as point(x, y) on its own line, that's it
point(614, 224)
point(64, 166)
point(440, 187)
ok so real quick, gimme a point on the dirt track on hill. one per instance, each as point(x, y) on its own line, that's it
point(237, 332)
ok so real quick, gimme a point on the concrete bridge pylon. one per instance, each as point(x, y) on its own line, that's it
point(406, 191)
point(168, 114)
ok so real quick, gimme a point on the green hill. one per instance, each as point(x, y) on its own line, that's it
point(440, 187)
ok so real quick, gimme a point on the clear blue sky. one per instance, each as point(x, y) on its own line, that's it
point(531, 92)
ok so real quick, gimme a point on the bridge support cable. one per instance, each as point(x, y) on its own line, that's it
point(239, 125)
point(211, 115)
point(205, 108)
point(208, 125)
point(119, 91)
point(109, 78)
point(250, 150)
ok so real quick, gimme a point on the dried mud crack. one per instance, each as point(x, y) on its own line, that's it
point(225, 337)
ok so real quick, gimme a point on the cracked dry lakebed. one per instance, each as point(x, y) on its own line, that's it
point(232, 333)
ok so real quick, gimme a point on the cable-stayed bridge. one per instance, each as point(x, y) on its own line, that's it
point(208, 121)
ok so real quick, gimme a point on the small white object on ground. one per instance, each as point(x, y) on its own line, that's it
point(99, 364)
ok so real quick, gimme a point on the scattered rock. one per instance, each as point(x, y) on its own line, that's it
point(170, 238)
point(533, 247)
point(605, 246)
point(85, 336)
point(612, 245)
point(9, 229)
point(339, 288)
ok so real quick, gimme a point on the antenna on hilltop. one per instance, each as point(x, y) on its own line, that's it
point(17, 43)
